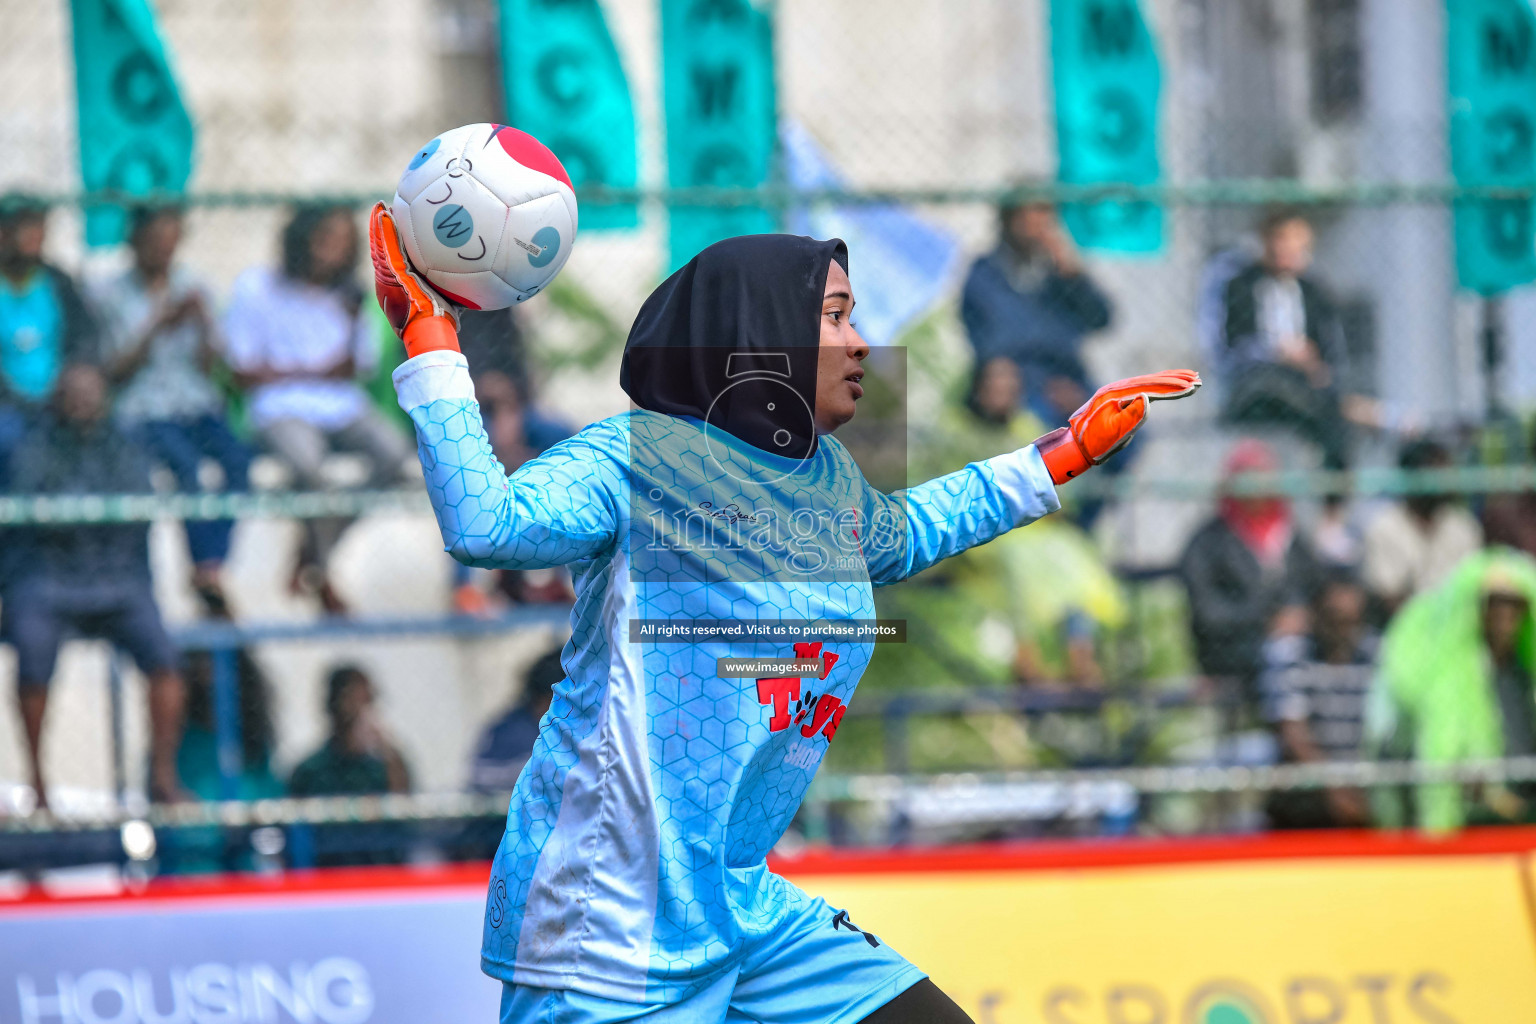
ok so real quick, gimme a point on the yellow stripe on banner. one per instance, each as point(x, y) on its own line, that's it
point(1398, 940)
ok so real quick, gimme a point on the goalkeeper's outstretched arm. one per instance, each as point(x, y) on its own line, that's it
point(912, 529)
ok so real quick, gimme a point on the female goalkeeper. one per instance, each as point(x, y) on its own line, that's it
point(631, 882)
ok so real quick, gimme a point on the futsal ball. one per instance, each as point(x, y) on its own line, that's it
point(487, 215)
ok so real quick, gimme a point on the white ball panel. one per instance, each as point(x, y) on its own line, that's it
point(521, 261)
point(449, 146)
point(569, 198)
point(458, 225)
point(402, 213)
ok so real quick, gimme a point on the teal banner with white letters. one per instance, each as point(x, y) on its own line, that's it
point(566, 87)
point(1105, 73)
point(1492, 86)
point(135, 134)
point(718, 86)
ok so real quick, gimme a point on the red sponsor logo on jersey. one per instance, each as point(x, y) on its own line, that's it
point(812, 712)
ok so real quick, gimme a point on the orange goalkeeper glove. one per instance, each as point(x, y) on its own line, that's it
point(425, 321)
point(1107, 421)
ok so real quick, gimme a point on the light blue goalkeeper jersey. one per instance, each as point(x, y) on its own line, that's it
point(633, 863)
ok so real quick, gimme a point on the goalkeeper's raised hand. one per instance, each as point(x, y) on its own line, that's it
point(425, 321)
point(1107, 421)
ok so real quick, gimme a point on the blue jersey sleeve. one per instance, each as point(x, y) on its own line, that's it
point(912, 529)
point(558, 508)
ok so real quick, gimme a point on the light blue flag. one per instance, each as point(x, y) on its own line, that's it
point(901, 264)
point(135, 135)
point(1492, 86)
point(1105, 72)
point(718, 86)
point(566, 87)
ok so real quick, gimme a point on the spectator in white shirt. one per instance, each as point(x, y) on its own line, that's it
point(159, 344)
point(1414, 544)
point(298, 341)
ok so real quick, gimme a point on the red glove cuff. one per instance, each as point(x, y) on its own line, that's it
point(429, 334)
point(1064, 457)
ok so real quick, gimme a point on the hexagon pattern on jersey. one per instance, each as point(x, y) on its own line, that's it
point(626, 503)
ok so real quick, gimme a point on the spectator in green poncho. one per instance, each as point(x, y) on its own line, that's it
point(1030, 606)
point(1456, 684)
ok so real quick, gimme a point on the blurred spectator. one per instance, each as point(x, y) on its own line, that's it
point(43, 323)
point(994, 401)
point(1285, 354)
point(1414, 544)
point(1338, 538)
point(92, 580)
point(1031, 300)
point(1033, 606)
point(1211, 305)
point(502, 750)
point(517, 432)
point(1510, 519)
point(492, 340)
point(1249, 574)
point(159, 345)
point(298, 339)
point(958, 634)
point(1456, 684)
point(358, 757)
point(1062, 598)
point(507, 743)
point(198, 757)
point(211, 848)
point(1314, 687)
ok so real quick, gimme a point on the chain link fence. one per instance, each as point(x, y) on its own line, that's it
point(937, 110)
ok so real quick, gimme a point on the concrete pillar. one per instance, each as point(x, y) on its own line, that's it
point(1411, 263)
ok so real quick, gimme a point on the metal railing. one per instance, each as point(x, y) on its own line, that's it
point(224, 640)
point(896, 710)
point(828, 788)
point(1211, 192)
point(60, 510)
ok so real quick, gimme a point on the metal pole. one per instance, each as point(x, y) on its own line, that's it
point(894, 725)
point(226, 720)
point(1493, 353)
point(115, 706)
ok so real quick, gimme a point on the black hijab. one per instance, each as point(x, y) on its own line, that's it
point(732, 339)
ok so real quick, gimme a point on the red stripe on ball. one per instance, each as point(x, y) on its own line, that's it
point(531, 153)
point(456, 299)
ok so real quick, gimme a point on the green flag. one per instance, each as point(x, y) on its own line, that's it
point(1492, 85)
point(135, 135)
point(1105, 73)
point(566, 87)
point(717, 79)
